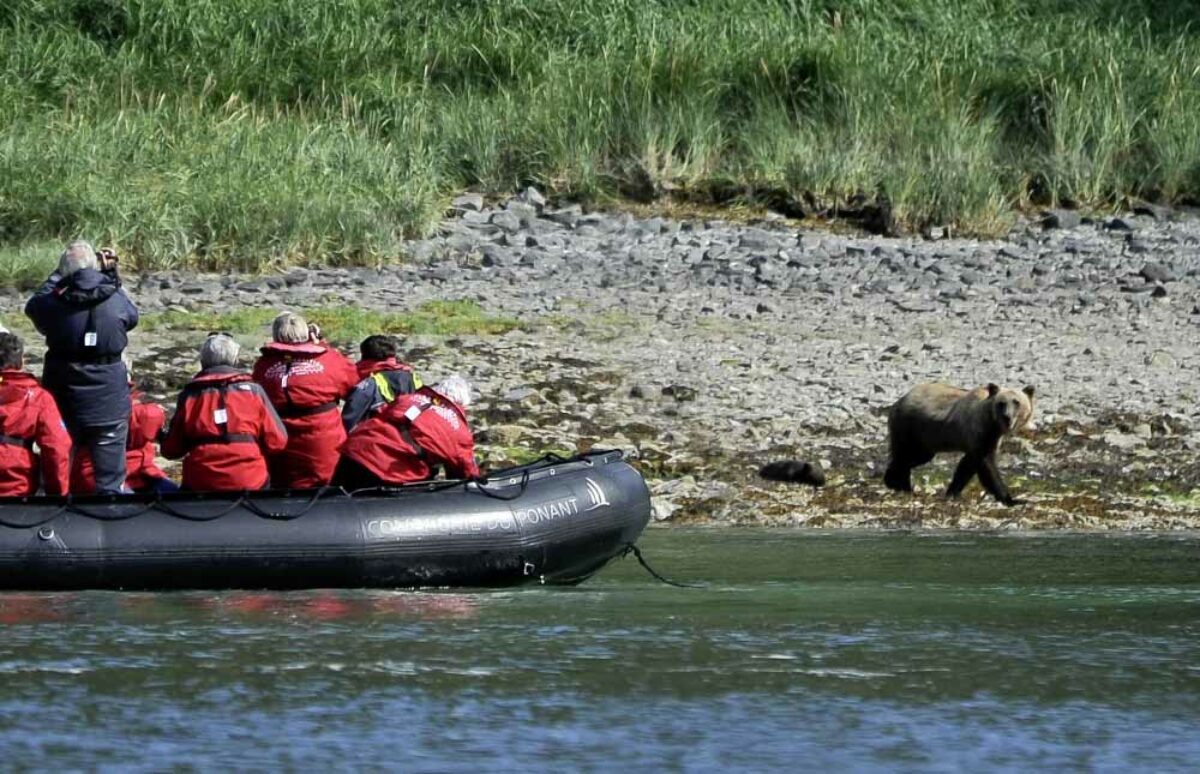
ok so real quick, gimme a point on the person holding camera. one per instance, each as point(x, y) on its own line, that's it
point(86, 317)
point(304, 378)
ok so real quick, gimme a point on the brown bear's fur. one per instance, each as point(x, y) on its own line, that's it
point(933, 418)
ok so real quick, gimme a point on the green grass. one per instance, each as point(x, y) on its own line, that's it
point(250, 133)
point(345, 324)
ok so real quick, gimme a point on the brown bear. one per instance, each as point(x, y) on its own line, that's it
point(933, 418)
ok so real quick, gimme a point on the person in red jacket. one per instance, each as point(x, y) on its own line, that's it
point(29, 416)
point(407, 439)
point(305, 378)
point(224, 425)
point(146, 420)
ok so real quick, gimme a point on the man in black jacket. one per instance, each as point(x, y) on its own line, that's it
point(85, 316)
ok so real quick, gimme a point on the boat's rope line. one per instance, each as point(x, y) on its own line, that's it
point(630, 548)
point(247, 502)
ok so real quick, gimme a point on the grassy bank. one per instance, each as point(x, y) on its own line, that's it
point(246, 132)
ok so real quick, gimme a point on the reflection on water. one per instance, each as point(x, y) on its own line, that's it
point(848, 651)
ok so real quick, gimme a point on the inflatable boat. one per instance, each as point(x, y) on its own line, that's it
point(553, 521)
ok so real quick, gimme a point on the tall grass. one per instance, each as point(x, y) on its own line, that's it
point(241, 133)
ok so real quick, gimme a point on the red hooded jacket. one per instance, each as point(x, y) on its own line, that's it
point(404, 441)
point(145, 420)
point(305, 382)
point(228, 455)
point(28, 415)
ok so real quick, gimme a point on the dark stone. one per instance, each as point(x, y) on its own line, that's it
point(295, 277)
point(507, 221)
point(567, 216)
point(1160, 291)
point(794, 472)
point(469, 202)
point(1156, 211)
point(679, 392)
point(193, 288)
point(533, 196)
point(762, 309)
point(1156, 272)
point(1116, 224)
point(1060, 219)
point(493, 256)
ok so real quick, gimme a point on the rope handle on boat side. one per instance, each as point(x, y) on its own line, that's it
point(637, 552)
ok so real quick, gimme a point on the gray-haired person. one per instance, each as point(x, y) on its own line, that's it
point(86, 316)
point(224, 426)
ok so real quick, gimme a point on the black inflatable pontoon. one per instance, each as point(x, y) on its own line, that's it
point(553, 521)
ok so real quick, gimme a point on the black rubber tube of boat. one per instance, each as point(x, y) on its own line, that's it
point(553, 521)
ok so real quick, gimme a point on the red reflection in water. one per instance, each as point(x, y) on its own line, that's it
point(331, 606)
point(29, 608)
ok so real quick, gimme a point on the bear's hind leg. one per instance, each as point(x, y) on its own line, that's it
point(898, 475)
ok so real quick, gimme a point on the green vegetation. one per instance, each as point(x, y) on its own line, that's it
point(245, 133)
point(345, 324)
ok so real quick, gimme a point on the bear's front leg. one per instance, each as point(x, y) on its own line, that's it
point(989, 476)
point(968, 466)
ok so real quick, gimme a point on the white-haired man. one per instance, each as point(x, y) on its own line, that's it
point(86, 317)
point(409, 438)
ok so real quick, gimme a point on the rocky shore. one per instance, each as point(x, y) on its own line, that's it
point(707, 348)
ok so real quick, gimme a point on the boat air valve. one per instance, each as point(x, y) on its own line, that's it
point(46, 533)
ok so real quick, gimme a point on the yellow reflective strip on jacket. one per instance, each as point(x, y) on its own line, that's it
point(416, 381)
point(385, 387)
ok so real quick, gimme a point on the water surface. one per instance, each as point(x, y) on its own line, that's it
point(856, 651)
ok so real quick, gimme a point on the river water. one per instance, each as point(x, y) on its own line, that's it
point(799, 650)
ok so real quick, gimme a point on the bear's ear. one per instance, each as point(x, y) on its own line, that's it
point(1028, 390)
point(992, 390)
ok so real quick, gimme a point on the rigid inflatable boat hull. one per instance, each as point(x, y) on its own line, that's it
point(552, 521)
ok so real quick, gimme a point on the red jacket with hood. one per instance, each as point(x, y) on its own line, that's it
point(145, 420)
point(224, 427)
point(305, 382)
point(29, 415)
point(406, 439)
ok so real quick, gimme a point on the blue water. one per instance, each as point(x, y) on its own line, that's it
point(800, 650)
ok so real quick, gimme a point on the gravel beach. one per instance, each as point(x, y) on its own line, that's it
point(707, 348)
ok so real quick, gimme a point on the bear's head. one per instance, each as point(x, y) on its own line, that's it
point(1013, 409)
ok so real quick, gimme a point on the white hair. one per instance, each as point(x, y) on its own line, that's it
point(219, 349)
point(290, 328)
point(78, 255)
point(456, 389)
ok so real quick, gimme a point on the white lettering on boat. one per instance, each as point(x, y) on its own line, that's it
point(396, 529)
point(568, 506)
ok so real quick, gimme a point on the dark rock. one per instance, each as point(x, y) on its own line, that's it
point(493, 256)
point(533, 196)
point(506, 220)
point(295, 277)
point(1060, 219)
point(679, 392)
point(193, 288)
point(794, 472)
point(1117, 224)
point(1159, 291)
point(762, 309)
point(567, 216)
point(1156, 211)
point(638, 391)
point(469, 202)
point(1156, 272)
